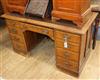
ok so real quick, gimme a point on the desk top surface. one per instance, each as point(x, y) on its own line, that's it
point(63, 26)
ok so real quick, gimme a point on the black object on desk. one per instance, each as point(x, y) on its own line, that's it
point(41, 8)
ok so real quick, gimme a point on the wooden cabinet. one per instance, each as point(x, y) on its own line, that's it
point(72, 10)
point(72, 50)
point(14, 6)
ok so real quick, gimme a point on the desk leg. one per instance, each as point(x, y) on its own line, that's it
point(95, 32)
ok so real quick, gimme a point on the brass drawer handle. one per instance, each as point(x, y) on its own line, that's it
point(14, 31)
point(10, 22)
point(69, 46)
point(66, 54)
point(67, 64)
point(16, 39)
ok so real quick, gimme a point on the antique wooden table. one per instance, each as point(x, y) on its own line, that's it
point(72, 45)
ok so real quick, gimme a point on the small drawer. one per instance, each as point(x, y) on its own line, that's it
point(17, 38)
point(70, 46)
point(68, 55)
point(10, 23)
point(69, 65)
point(14, 24)
point(13, 30)
point(19, 47)
point(38, 29)
point(70, 37)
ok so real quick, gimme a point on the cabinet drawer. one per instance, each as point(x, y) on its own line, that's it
point(70, 37)
point(15, 31)
point(14, 24)
point(17, 38)
point(71, 46)
point(69, 65)
point(68, 55)
point(38, 29)
point(10, 23)
point(19, 47)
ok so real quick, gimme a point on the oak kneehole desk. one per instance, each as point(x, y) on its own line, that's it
point(72, 45)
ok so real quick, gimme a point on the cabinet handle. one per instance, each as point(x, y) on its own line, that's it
point(69, 46)
point(16, 39)
point(67, 64)
point(13, 31)
point(66, 54)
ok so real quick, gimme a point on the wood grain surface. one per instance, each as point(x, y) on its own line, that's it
point(41, 64)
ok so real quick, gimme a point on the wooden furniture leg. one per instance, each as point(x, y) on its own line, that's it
point(95, 32)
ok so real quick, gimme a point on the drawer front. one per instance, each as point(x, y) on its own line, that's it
point(70, 46)
point(69, 65)
point(70, 37)
point(14, 27)
point(14, 24)
point(17, 38)
point(68, 55)
point(19, 47)
point(38, 29)
point(13, 31)
point(10, 23)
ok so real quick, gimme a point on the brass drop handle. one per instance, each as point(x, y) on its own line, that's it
point(67, 64)
point(66, 54)
point(13, 31)
point(16, 39)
